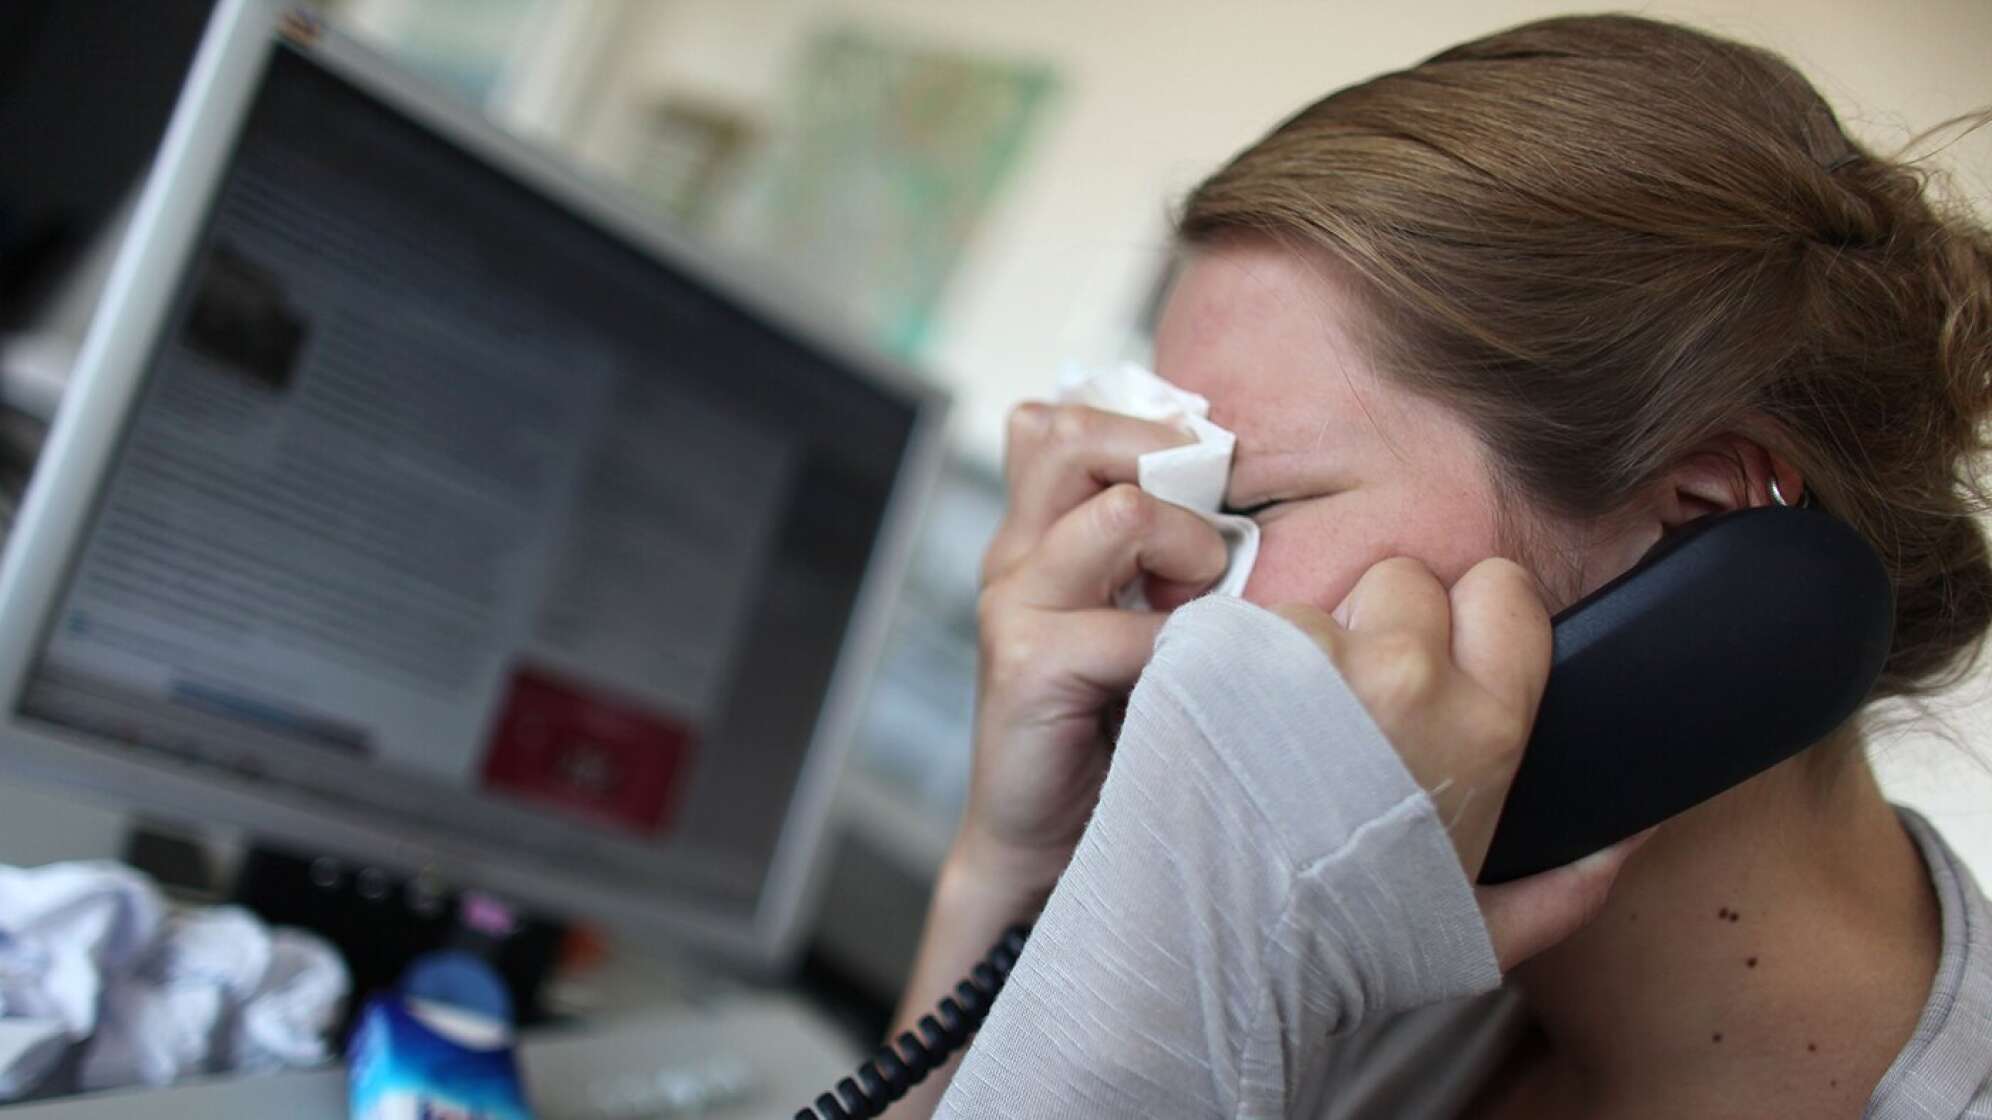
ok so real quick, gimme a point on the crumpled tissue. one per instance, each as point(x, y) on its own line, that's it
point(1193, 475)
point(94, 967)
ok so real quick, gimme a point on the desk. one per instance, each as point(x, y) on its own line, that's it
point(622, 1070)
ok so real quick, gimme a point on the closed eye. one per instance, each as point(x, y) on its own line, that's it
point(1251, 511)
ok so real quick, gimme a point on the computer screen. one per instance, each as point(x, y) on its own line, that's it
point(439, 504)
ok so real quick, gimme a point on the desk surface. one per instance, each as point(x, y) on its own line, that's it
point(619, 1071)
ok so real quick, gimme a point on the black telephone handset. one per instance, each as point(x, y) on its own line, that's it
point(1738, 641)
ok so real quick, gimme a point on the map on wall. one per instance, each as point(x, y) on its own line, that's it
point(884, 158)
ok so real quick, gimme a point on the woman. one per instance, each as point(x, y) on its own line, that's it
point(1543, 297)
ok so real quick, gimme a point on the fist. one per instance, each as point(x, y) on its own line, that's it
point(1452, 677)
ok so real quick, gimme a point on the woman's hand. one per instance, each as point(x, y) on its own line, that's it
point(1056, 655)
point(1452, 678)
point(1056, 658)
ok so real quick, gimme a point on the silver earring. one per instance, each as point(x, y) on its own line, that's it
point(1777, 495)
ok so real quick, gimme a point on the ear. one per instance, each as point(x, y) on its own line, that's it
point(1729, 472)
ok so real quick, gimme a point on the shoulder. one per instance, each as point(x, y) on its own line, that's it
point(1946, 1070)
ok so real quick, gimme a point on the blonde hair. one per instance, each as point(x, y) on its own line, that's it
point(1606, 240)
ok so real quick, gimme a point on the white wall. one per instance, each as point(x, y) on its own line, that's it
point(1158, 92)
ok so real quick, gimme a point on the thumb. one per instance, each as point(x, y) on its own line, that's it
point(1530, 915)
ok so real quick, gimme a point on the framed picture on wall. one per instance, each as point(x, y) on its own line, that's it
point(885, 158)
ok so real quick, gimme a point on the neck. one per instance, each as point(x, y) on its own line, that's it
point(1780, 938)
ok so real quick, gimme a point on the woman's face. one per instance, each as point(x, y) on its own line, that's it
point(1355, 469)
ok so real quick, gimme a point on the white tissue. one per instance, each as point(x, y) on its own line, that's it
point(1193, 475)
point(94, 966)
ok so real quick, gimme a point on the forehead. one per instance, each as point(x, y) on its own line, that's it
point(1361, 467)
point(1268, 335)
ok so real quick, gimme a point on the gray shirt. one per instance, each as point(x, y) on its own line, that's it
point(1265, 918)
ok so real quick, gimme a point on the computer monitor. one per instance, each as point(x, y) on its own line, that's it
point(416, 501)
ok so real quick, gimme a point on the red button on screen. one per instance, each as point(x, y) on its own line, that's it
point(565, 744)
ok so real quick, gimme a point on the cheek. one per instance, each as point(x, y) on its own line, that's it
point(1315, 556)
point(1302, 563)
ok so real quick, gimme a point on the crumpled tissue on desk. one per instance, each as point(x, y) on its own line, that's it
point(102, 985)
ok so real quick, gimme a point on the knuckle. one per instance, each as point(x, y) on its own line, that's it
point(1028, 421)
point(1071, 423)
point(1502, 580)
point(1498, 734)
point(1009, 651)
point(1005, 664)
point(1124, 508)
point(1399, 672)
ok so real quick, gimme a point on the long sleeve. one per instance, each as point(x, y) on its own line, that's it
point(1261, 875)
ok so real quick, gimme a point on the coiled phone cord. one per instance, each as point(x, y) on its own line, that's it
point(887, 1074)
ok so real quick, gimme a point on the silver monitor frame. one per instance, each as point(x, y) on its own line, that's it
point(110, 369)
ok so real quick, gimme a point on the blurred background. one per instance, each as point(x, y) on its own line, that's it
point(984, 191)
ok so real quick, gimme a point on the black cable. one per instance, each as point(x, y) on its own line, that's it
point(887, 1074)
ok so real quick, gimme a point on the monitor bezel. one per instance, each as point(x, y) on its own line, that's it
point(116, 355)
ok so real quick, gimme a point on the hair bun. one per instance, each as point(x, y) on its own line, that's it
point(1918, 309)
point(1961, 273)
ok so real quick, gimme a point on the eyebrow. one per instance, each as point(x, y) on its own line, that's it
point(1312, 473)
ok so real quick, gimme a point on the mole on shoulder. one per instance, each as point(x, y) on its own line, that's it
point(1812, 1048)
point(1718, 1036)
point(1722, 914)
point(1751, 963)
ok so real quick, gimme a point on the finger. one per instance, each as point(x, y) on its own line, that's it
point(1168, 594)
point(1314, 622)
point(1530, 915)
point(1056, 457)
point(1109, 541)
point(1089, 652)
point(1399, 594)
point(1501, 634)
